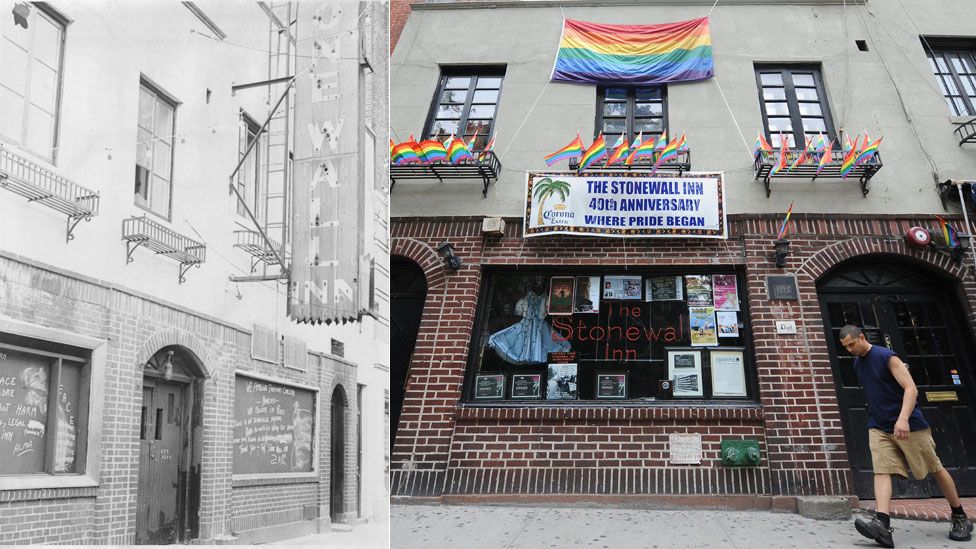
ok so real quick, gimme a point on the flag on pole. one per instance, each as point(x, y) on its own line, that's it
point(403, 154)
point(825, 157)
point(803, 156)
point(762, 146)
point(574, 149)
point(785, 225)
point(458, 151)
point(642, 149)
point(868, 151)
point(488, 147)
point(948, 233)
point(848, 163)
point(619, 151)
point(781, 162)
point(669, 152)
point(596, 151)
point(433, 150)
point(472, 141)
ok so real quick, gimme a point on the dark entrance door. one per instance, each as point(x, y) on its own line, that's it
point(338, 465)
point(161, 507)
point(408, 288)
point(919, 320)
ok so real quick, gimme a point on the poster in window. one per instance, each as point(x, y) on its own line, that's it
point(685, 368)
point(728, 323)
point(725, 293)
point(611, 385)
point(531, 338)
point(587, 295)
point(621, 287)
point(728, 372)
point(562, 382)
point(526, 386)
point(702, 325)
point(561, 295)
point(698, 290)
point(489, 386)
point(664, 288)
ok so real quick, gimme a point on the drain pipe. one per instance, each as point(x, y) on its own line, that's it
point(965, 215)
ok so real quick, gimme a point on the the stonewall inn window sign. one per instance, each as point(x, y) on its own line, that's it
point(621, 204)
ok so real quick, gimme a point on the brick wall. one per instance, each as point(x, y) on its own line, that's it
point(135, 326)
point(443, 448)
point(399, 12)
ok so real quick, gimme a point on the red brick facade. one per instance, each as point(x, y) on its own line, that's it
point(134, 327)
point(399, 12)
point(444, 449)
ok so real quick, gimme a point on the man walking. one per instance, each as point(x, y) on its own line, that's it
point(898, 435)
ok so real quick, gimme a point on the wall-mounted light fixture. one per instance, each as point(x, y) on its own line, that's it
point(446, 251)
point(781, 250)
point(168, 366)
point(21, 12)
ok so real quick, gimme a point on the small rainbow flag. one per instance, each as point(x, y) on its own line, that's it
point(803, 156)
point(762, 146)
point(403, 154)
point(458, 151)
point(825, 157)
point(848, 164)
point(619, 151)
point(574, 149)
point(472, 141)
point(433, 150)
point(785, 225)
point(391, 145)
point(596, 53)
point(669, 152)
point(948, 233)
point(781, 161)
point(642, 149)
point(597, 151)
point(488, 147)
point(868, 151)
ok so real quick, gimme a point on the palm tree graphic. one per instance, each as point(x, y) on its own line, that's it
point(545, 188)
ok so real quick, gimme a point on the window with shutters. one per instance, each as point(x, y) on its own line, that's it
point(264, 344)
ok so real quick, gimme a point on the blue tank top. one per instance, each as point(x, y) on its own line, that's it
point(883, 392)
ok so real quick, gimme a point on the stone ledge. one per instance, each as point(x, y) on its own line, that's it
point(684, 411)
point(824, 507)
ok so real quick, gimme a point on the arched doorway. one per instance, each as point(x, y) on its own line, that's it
point(169, 461)
point(408, 288)
point(913, 310)
point(338, 456)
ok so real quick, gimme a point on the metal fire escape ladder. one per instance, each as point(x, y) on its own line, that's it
point(270, 243)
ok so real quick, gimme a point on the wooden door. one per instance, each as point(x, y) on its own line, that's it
point(160, 514)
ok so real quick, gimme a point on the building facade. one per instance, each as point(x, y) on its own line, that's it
point(671, 350)
point(154, 388)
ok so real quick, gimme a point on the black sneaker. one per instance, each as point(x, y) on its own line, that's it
point(962, 528)
point(877, 531)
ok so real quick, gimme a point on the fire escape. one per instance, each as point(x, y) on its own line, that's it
point(268, 242)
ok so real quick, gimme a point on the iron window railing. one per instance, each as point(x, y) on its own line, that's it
point(145, 232)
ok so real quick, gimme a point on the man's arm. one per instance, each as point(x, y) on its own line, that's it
point(900, 372)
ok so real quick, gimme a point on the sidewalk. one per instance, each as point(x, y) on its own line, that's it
point(371, 535)
point(923, 509)
point(481, 527)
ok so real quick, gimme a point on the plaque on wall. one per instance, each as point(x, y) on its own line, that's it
point(526, 385)
point(489, 386)
point(782, 287)
point(685, 448)
point(611, 385)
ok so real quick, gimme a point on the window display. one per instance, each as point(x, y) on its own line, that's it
point(612, 336)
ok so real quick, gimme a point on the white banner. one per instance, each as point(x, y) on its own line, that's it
point(625, 204)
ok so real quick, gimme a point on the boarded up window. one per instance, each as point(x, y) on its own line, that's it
point(296, 354)
point(264, 344)
point(274, 425)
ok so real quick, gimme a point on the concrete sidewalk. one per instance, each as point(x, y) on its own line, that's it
point(482, 527)
point(371, 535)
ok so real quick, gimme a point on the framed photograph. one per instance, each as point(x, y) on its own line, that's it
point(611, 385)
point(526, 385)
point(728, 372)
point(685, 371)
point(702, 325)
point(586, 299)
point(698, 290)
point(561, 384)
point(664, 288)
point(489, 386)
point(622, 287)
point(561, 295)
point(728, 323)
point(725, 293)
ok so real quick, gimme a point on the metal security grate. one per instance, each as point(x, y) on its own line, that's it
point(38, 184)
point(142, 231)
point(486, 169)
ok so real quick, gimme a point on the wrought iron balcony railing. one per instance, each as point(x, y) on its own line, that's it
point(680, 164)
point(966, 131)
point(486, 167)
point(38, 184)
point(142, 231)
point(257, 247)
point(863, 173)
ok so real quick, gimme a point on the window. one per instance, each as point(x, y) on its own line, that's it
point(466, 102)
point(954, 66)
point(42, 412)
point(249, 175)
point(614, 348)
point(794, 104)
point(630, 111)
point(154, 151)
point(30, 79)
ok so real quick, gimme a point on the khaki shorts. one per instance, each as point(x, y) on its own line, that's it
point(894, 456)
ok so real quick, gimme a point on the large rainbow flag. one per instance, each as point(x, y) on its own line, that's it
point(595, 53)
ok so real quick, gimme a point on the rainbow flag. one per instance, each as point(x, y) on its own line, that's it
point(391, 145)
point(488, 147)
point(597, 151)
point(669, 152)
point(786, 220)
point(596, 53)
point(642, 149)
point(803, 156)
point(762, 146)
point(433, 150)
point(781, 162)
point(619, 151)
point(868, 151)
point(574, 149)
point(848, 164)
point(458, 151)
point(948, 232)
point(825, 157)
point(472, 141)
point(403, 154)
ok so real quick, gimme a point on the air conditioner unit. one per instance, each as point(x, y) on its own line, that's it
point(493, 226)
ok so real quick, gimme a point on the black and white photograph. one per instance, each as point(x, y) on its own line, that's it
point(685, 372)
point(561, 384)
